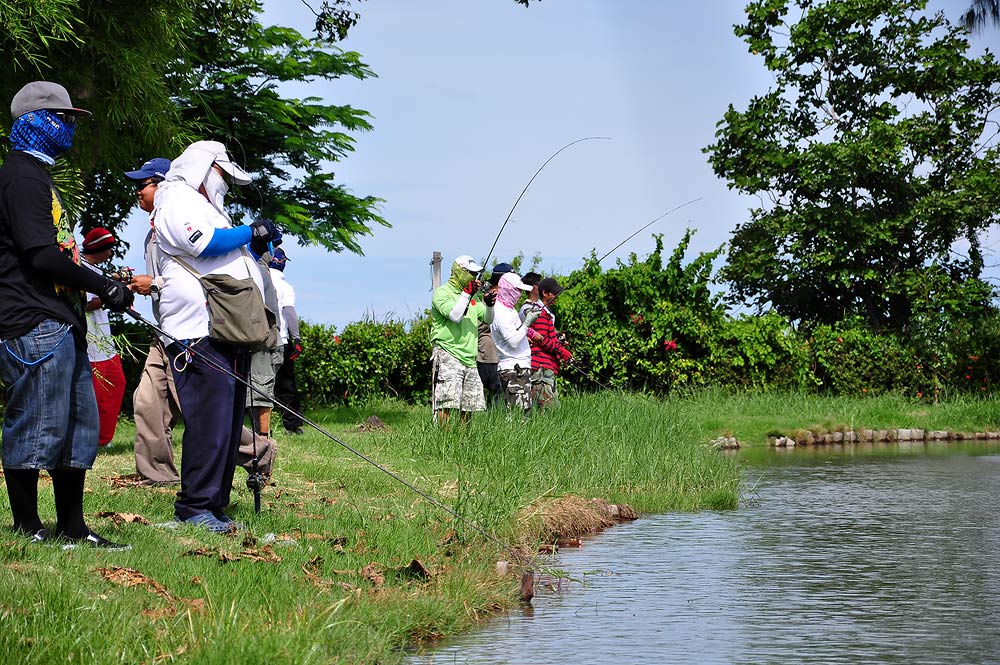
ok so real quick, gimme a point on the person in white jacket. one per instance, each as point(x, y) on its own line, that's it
point(191, 225)
point(510, 335)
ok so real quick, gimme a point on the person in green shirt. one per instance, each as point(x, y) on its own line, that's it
point(455, 318)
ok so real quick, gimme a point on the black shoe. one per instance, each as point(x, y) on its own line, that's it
point(297, 431)
point(96, 541)
point(37, 537)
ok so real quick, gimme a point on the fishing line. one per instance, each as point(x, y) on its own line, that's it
point(249, 384)
point(486, 261)
point(648, 225)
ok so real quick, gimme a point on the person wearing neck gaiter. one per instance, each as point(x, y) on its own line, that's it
point(455, 317)
point(511, 337)
point(51, 419)
point(194, 236)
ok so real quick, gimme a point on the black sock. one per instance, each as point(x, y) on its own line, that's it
point(22, 490)
point(67, 484)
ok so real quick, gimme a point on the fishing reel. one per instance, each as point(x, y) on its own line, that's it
point(256, 481)
point(122, 274)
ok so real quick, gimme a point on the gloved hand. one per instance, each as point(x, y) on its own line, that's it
point(472, 286)
point(296, 349)
point(490, 298)
point(264, 232)
point(532, 335)
point(116, 296)
point(532, 316)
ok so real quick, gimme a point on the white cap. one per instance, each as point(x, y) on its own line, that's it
point(467, 262)
point(514, 280)
point(221, 157)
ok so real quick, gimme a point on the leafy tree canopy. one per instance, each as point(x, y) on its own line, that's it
point(873, 155)
point(178, 71)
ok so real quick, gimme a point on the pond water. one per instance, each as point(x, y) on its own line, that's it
point(847, 555)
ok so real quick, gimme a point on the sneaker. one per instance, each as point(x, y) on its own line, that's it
point(37, 537)
point(93, 540)
point(210, 522)
point(226, 519)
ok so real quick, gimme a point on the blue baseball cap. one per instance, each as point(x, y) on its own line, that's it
point(154, 168)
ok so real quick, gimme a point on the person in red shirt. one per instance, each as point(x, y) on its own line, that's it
point(547, 352)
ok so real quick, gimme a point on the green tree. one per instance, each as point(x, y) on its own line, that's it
point(873, 156)
point(172, 72)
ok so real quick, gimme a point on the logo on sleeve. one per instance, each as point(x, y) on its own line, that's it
point(194, 237)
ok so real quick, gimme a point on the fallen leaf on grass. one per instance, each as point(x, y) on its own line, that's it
point(373, 572)
point(415, 569)
point(123, 518)
point(129, 577)
point(130, 480)
point(264, 555)
point(327, 501)
point(308, 516)
point(450, 537)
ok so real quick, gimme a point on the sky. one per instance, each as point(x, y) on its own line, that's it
point(472, 96)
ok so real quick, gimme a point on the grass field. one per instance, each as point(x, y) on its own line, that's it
point(326, 572)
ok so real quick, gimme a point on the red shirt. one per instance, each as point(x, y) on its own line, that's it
point(547, 352)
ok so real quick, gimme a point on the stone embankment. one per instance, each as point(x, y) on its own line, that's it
point(807, 438)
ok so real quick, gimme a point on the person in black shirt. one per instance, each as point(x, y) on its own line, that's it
point(51, 420)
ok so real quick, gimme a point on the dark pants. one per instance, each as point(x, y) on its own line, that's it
point(287, 392)
point(212, 403)
point(490, 376)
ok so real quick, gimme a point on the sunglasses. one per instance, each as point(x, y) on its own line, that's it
point(68, 119)
point(140, 186)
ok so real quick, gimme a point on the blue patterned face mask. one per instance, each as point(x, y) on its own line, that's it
point(42, 132)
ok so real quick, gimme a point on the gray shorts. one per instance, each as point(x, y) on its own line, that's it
point(263, 366)
point(455, 385)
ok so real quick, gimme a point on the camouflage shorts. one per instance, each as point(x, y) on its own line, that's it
point(543, 389)
point(455, 385)
point(517, 388)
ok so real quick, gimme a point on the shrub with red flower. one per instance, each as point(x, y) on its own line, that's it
point(669, 345)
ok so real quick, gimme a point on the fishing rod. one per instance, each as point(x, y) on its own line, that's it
point(211, 362)
point(637, 232)
point(505, 221)
point(683, 205)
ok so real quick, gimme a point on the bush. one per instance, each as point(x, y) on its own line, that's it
point(367, 359)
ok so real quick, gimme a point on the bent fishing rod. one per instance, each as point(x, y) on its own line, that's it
point(637, 232)
point(249, 384)
point(489, 254)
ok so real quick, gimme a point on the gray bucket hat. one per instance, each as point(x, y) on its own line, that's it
point(39, 95)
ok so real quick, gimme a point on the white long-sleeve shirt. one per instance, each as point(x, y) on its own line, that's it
point(510, 337)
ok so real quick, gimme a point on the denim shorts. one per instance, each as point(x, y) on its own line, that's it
point(51, 418)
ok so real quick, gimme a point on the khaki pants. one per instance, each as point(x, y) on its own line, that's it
point(156, 412)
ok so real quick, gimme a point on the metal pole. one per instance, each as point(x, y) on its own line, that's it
point(436, 270)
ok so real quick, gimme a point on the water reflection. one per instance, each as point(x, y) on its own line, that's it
point(869, 554)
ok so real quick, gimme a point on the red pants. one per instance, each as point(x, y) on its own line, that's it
point(109, 387)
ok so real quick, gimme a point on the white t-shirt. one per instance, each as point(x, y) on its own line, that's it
point(183, 222)
point(286, 298)
point(100, 343)
point(510, 337)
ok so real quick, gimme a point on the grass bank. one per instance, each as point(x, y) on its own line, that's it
point(326, 572)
